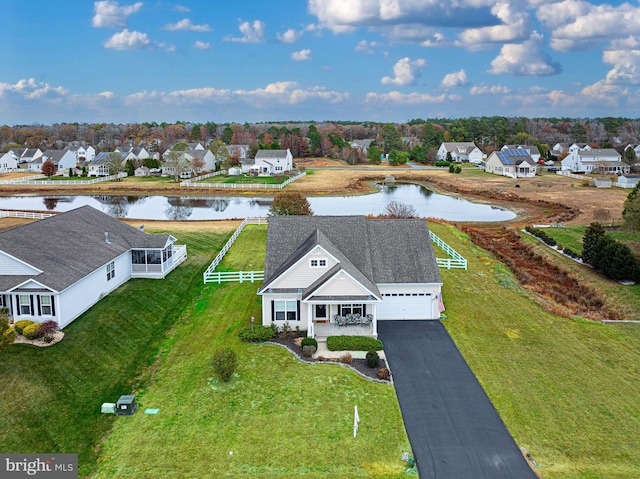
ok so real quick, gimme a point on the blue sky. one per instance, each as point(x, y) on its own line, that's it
point(276, 60)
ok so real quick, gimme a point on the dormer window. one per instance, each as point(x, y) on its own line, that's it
point(318, 263)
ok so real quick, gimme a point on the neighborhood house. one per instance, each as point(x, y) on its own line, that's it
point(269, 162)
point(460, 151)
point(58, 267)
point(514, 163)
point(329, 275)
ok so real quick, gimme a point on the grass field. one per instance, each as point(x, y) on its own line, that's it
point(565, 388)
point(246, 179)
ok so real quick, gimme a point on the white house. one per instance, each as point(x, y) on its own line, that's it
point(63, 159)
point(328, 275)
point(83, 154)
point(362, 145)
point(269, 162)
point(628, 181)
point(532, 150)
point(594, 160)
point(512, 163)
point(460, 152)
point(100, 165)
point(139, 153)
point(57, 268)
point(239, 152)
point(195, 161)
point(8, 162)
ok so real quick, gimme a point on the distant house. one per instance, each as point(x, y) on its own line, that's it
point(533, 151)
point(239, 152)
point(269, 162)
point(512, 163)
point(594, 160)
point(460, 152)
point(63, 159)
point(601, 182)
point(198, 161)
point(58, 267)
point(100, 165)
point(138, 153)
point(560, 148)
point(635, 148)
point(362, 145)
point(316, 275)
point(8, 162)
point(83, 154)
point(142, 171)
point(21, 159)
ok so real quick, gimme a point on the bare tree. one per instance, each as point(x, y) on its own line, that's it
point(115, 164)
point(176, 163)
point(396, 209)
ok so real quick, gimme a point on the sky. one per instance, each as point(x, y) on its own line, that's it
point(276, 60)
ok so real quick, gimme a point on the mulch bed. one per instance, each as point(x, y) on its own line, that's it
point(359, 365)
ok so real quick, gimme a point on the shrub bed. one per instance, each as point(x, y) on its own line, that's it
point(309, 342)
point(257, 334)
point(353, 343)
point(20, 325)
point(32, 331)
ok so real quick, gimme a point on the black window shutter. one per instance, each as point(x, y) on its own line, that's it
point(298, 317)
point(39, 307)
point(364, 310)
point(273, 309)
point(31, 300)
point(53, 305)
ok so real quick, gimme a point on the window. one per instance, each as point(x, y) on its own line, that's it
point(24, 301)
point(286, 310)
point(321, 311)
point(352, 309)
point(45, 306)
point(318, 263)
point(111, 271)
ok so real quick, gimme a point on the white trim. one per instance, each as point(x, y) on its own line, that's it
point(37, 270)
point(304, 258)
point(37, 283)
point(336, 277)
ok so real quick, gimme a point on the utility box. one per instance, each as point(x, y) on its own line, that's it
point(108, 408)
point(126, 406)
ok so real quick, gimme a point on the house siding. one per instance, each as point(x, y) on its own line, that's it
point(344, 286)
point(83, 294)
point(302, 274)
point(11, 266)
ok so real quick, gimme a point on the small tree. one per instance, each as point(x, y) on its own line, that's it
point(592, 236)
point(631, 211)
point(224, 363)
point(374, 153)
point(396, 209)
point(115, 164)
point(176, 161)
point(221, 152)
point(290, 203)
point(4, 328)
point(48, 168)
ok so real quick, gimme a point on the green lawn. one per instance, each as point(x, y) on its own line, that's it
point(245, 179)
point(50, 398)
point(565, 388)
point(149, 179)
point(277, 417)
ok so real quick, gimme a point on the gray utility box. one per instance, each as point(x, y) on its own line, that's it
point(126, 406)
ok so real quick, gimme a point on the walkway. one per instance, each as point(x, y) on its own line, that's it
point(454, 430)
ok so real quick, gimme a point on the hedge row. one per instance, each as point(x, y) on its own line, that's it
point(353, 343)
point(538, 233)
point(257, 334)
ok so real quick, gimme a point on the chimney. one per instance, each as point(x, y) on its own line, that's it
point(106, 238)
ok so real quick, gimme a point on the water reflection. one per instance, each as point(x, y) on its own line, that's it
point(426, 202)
point(50, 203)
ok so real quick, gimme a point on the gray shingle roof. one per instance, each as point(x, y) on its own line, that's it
point(373, 251)
point(271, 154)
point(68, 246)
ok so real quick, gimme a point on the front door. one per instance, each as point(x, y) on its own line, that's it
point(320, 313)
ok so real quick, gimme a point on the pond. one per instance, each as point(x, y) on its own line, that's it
point(426, 202)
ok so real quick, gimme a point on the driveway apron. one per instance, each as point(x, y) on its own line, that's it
point(454, 430)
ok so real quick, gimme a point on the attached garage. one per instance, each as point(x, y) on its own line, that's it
point(405, 306)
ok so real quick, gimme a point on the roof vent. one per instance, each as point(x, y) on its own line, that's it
point(106, 238)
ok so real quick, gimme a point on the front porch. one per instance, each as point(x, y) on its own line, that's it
point(324, 330)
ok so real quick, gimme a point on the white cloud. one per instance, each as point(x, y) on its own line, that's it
point(30, 89)
point(515, 26)
point(290, 36)
point(455, 79)
point(408, 98)
point(202, 45)
point(302, 55)
point(405, 72)
point(577, 24)
point(108, 13)
point(185, 24)
point(489, 90)
point(367, 47)
point(182, 8)
point(525, 59)
point(251, 33)
point(126, 40)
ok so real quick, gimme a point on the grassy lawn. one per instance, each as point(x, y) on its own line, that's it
point(277, 417)
point(245, 179)
point(149, 179)
point(565, 388)
point(50, 398)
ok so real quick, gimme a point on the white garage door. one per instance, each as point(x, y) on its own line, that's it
point(405, 306)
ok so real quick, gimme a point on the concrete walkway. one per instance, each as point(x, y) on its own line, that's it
point(455, 431)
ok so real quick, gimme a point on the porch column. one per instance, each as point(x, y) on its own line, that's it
point(375, 320)
point(310, 332)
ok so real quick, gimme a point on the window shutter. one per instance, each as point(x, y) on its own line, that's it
point(364, 310)
point(53, 305)
point(39, 307)
point(31, 300)
point(298, 316)
point(273, 309)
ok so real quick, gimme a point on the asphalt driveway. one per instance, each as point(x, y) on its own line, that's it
point(455, 431)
